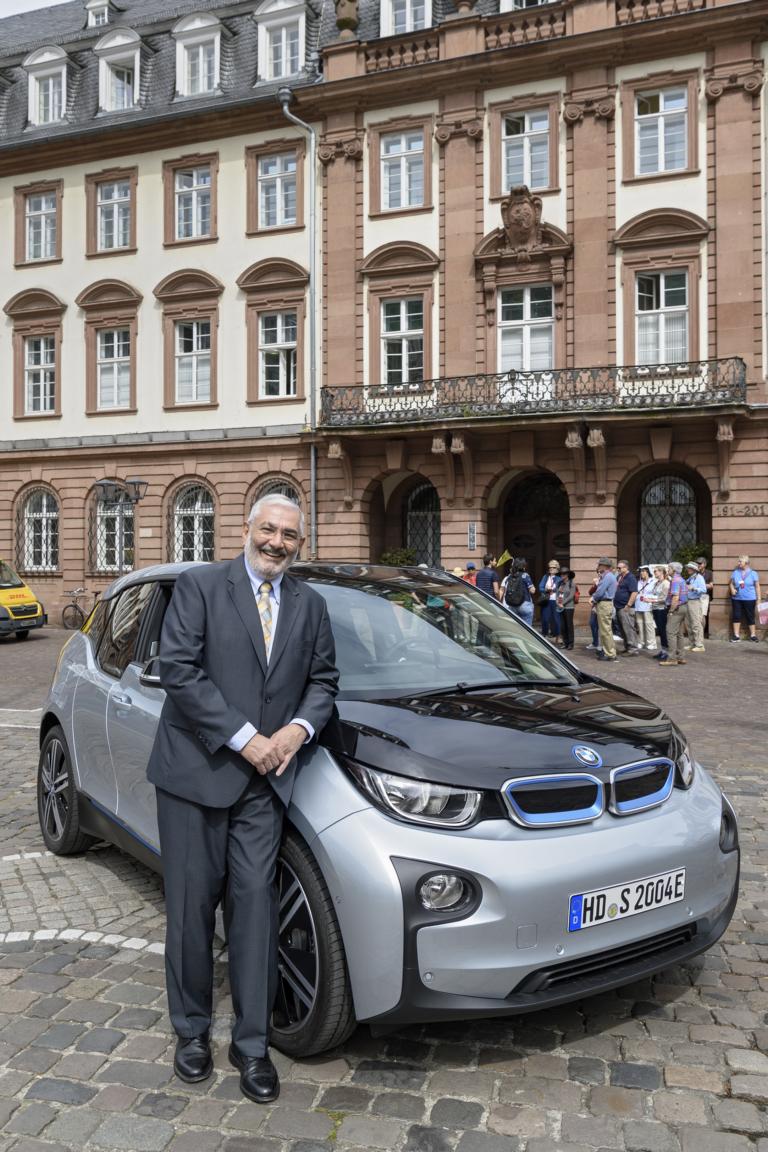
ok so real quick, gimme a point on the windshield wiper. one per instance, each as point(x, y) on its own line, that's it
point(491, 685)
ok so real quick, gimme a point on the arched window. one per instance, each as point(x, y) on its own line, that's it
point(192, 524)
point(422, 523)
point(277, 488)
point(38, 532)
point(667, 518)
point(111, 535)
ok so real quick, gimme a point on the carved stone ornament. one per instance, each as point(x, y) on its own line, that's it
point(350, 148)
point(461, 447)
point(596, 441)
point(574, 442)
point(749, 82)
point(447, 129)
point(724, 439)
point(601, 107)
point(337, 451)
point(347, 18)
point(440, 448)
point(521, 217)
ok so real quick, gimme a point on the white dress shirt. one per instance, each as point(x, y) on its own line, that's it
point(247, 732)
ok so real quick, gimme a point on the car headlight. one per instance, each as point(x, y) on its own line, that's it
point(418, 801)
point(4, 613)
point(685, 767)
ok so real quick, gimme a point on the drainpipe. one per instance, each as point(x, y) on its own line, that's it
point(285, 96)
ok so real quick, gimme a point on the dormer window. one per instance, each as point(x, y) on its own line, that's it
point(98, 13)
point(399, 17)
point(281, 39)
point(47, 70)
point(119, 53)
point(198, 52)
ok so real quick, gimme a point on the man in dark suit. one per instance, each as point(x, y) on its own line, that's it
point(247, 662)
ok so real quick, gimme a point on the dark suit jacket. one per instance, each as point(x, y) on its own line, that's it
point(213, 668)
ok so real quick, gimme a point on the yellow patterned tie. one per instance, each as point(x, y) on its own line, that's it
point(265, 612)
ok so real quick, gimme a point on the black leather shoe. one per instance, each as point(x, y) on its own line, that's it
point(193, 1060)
point(258, 1076)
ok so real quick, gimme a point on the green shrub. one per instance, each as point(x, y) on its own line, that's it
point(398, 557)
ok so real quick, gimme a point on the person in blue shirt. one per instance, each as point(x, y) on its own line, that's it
point(602, 600)
point(488, 579)
point(548, 585)
point(745, 592)
point(697, 589)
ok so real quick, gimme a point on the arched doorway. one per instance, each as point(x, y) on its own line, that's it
point(536, 519)
point(421, 523)
point(661, 510)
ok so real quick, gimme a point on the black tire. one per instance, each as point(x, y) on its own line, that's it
point(72, 617)
point(57, 798)
point(24, 635)
point(313, 1008)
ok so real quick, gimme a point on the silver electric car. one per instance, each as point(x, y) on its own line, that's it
point(481, 829)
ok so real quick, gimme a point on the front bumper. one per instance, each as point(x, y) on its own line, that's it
point(514, 953)
point(12, 624)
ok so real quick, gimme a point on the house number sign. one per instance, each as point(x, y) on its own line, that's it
point(471, 535)
point(741, 509)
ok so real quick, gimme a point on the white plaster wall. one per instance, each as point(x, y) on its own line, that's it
point(686, 192)
point(226, 259)
point(554, 203)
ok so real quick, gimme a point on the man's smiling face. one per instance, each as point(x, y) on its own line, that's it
point(272, 540)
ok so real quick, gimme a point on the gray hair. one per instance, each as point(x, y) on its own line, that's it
point(281, 502)
point(675, 566)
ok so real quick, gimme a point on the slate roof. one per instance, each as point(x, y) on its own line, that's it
point(65, 25)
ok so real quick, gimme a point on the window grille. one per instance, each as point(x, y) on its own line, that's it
point(277, 488)
point(422, 524)
point(37, 532)
point(111, 536)
point(668, 519)
point(192, 525)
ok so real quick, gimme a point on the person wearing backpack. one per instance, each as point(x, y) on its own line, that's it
point(517, 592)
point(567, 595)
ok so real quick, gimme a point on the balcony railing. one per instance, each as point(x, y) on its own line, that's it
point(635, 11)
point(526, 26)
point(644, 388)
point(414, 49)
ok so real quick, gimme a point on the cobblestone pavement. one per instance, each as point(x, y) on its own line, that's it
point(679, 1062)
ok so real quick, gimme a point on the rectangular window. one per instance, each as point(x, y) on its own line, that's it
point(662, 317)
point(402, 170)
point(525, 149)
point(121, 87)
point(113, 368)
point(277, 354)
point(526, 329)
point(50, 96)
point(284, 40)
point(193, 362)
point(201, 68)
point(408, 16)
point(193, 202)
point(40, 212)
point(114, 215)
point(277, 190)
point(661, 131)
point(39, 375)
point(402, 340)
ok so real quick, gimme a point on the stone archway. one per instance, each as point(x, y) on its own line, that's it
point(404, 512)
point(661, 509)
point(534, 519)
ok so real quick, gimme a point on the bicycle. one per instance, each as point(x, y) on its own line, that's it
point(72, 616)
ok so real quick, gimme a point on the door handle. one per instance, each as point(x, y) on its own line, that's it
point(122, 699)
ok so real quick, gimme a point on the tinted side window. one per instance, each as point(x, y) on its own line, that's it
point(96, 624)
point(119, 643)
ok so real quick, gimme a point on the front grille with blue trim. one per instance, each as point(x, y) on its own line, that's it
point(637, 787)
point(551, 801)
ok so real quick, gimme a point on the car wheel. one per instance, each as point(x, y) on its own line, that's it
point(313, 1009)
point(57, 799)
point(22, 635)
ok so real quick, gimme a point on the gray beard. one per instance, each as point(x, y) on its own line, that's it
point(253, 556)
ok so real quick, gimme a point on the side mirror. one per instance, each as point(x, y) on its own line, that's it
point(150, 674)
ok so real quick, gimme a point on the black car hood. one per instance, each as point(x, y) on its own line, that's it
point(483, 739)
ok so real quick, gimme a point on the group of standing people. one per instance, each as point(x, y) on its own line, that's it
point(558, 594)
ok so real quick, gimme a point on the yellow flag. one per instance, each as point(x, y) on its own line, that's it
point(506, 555)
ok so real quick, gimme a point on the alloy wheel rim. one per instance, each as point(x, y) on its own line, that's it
point(54, 786)
point(298, 961)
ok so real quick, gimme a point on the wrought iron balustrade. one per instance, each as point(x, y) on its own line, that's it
point(646, 387)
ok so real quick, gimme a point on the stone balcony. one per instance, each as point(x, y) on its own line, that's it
point(645, 388)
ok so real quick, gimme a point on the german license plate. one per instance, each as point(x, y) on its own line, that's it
point(605, 905)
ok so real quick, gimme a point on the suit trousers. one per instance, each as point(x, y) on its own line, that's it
point(206, 853)
point(626, 617)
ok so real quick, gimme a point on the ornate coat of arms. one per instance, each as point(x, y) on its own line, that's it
point(521, 217)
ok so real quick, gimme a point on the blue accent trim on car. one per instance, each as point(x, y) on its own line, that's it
point(641, 803)
point(545, 783)
point(122, 824)
point(574, 913)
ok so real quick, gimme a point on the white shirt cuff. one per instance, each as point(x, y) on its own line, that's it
point(306, 726)
point(241, 738)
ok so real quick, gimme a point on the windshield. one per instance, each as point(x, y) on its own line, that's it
point(408, 636)
point(8, 578)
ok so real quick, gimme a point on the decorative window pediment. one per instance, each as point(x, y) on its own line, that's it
point(661, 226)
point(47, 70)
point(188, 284)
point(34, 303)
point(272, 276)
point(119, 53)
point(198, 54)
point(399, 259)
point(109, 294)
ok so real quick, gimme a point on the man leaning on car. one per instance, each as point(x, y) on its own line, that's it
point(247, 662)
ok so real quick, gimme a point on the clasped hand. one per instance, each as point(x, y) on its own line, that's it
point(274, 753)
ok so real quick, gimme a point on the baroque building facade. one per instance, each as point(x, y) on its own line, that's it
point(538, 280)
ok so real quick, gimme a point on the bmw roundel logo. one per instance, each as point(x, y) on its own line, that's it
point(587, 756)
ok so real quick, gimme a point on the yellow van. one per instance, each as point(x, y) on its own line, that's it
point(20, 610)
